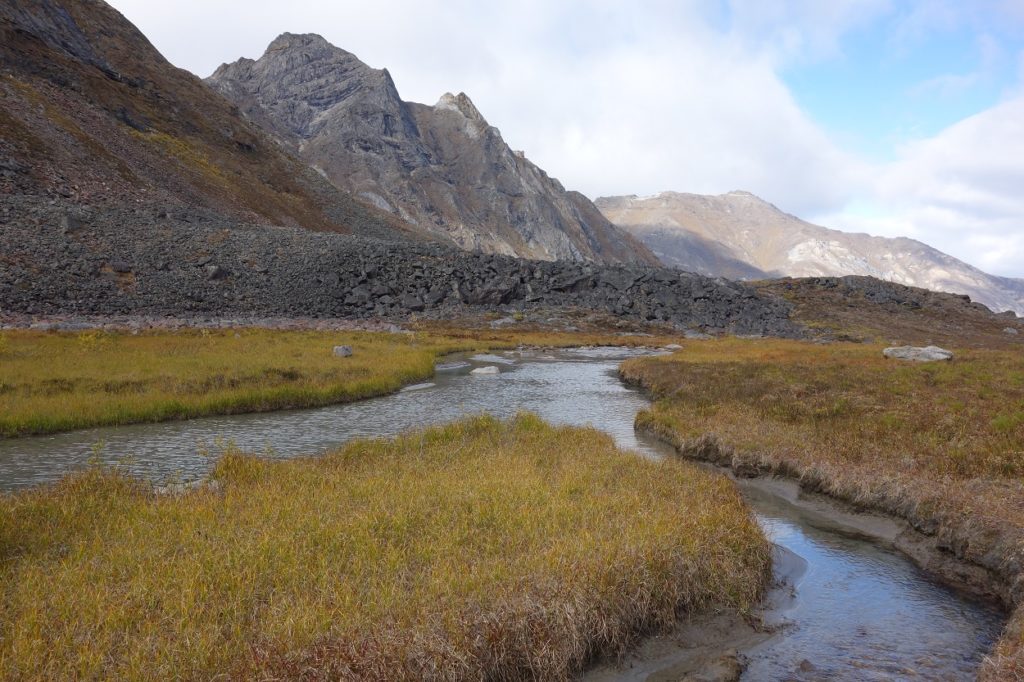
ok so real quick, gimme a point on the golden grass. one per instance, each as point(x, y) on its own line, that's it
point(52, 382)
point(941, 444)
point(476, 550)
point(59, 381)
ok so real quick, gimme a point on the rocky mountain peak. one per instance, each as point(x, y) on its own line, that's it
point(462, 104)
point(441, 168)
point(292, 41)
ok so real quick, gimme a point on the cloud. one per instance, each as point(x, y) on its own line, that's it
point(959, 191)
point(615, 97)
point(800, 30)
point(610, 97)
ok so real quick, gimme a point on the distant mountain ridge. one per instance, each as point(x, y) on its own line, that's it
point(442, 168)
point(739, 235)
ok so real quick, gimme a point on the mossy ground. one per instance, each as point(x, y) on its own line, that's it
point(481, 549)
point(939, 443)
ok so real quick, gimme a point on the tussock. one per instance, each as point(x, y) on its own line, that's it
point(941, 445)
point(478, 550)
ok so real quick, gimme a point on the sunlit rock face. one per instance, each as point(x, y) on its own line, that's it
point(441, 168)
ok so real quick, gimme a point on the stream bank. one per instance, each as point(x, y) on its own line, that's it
point(936, 546)
point(884, 600)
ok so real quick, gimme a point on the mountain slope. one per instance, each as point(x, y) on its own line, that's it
point(441, 167)
point(90, 111)
point(741, 236)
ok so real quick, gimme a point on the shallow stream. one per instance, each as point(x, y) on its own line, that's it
point(856, 610)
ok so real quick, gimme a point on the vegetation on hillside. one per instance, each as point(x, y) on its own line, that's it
point(478, 550)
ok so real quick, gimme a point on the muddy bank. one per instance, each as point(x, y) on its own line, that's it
point(940, 554)
point(956, 551)
point(709, 647)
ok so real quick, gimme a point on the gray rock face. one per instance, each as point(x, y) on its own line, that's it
point(441, 168)
point(926, 354)
point(292, 272)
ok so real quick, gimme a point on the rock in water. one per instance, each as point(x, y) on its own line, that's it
point(343, 351)
point(926, 354)
point(491, 369)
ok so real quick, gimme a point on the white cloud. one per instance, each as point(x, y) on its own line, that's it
point(958, 191)
point(610, 97)
point(616, 97)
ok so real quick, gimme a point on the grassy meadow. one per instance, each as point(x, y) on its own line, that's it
point(477, 550)
point(941, 444)
point(53, 382)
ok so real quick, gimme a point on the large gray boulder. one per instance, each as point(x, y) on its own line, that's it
point(916, 354)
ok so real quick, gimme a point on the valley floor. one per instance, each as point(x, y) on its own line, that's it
point(476, 550)
point(57, 381)
point(565, 549)
point(939, 444)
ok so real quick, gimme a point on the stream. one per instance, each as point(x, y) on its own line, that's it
point(852, 609)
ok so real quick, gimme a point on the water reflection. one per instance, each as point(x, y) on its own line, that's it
point(570, 387)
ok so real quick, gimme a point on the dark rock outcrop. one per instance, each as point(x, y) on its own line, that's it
point(441, 168)
point(197, 263)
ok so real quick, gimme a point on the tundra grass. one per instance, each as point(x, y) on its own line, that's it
point(477, 550)
point(941, 444)
point(52, 382)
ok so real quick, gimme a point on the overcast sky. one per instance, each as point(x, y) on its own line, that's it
point(898, 118)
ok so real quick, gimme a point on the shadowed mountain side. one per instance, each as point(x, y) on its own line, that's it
point(739, 227)
point(91, 111)
point(694, 253)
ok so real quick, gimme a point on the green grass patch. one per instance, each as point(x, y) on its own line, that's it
point(478, 550)
point(846, 403)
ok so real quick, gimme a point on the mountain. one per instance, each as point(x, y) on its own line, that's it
point(739, 235)
point(93, 115)
point(442, 168)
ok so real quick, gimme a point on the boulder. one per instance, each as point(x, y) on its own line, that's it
point(490, 369)
point(342, 351)
point(215, 272)
point(70, 223)
point(412, 302)
point(916, 354)
point(673, 346)
point(1010, 330)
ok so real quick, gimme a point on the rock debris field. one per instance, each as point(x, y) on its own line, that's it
point(57, 259)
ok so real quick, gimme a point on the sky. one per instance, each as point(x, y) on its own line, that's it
point(892, 117)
